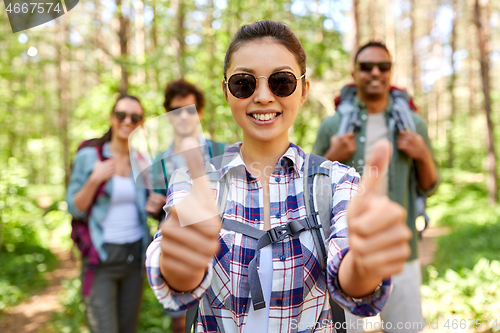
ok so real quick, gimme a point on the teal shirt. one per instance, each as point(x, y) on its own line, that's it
point(401, 188)
point(82, 168)
point(165, 163)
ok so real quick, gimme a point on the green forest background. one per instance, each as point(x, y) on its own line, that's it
point(446, 54)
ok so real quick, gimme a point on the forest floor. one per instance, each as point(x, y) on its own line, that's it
point(33, 314)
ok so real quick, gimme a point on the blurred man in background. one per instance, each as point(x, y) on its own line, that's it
point(184, 104)
point(371, 110)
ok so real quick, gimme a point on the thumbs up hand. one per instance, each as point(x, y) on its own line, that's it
point(378, 234)
point(190, 235)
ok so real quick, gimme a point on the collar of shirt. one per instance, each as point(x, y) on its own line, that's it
point(293, 159)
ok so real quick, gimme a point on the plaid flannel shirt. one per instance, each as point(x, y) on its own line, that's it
point(299, 299)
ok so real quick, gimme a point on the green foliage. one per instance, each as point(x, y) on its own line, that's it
point(468, 293)
point(469, 144)
point(22, 269)
point(461, 204)
point(467, 244)
point(24, 253)
point(462, 280)
point(461, 199)
point(72, 318)
point(153, 318)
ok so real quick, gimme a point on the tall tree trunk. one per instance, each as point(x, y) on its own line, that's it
point(181, 36)
point(154, 37)
point(415, 72)
point(472, 60)
point(210, 42)
point(471, 76)
point(451, 86)
point(432, 113)
point(63, 78)
point(483, 38)
point(123, 38)
point(154, 25)
point(140, 48)
point(97, 41)
point(390, 37)
point(357, 33)
point(373, 19)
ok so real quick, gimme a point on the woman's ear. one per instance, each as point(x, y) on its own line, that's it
point(305, 91)
point(224, 90)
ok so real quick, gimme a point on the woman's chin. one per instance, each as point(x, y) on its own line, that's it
point(124, 134)
point(268, 135)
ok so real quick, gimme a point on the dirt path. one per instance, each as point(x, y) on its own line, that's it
point(31, 315)
point(427, 245)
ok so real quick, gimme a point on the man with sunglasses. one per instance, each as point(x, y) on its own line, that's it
point(184, 104)
point(412, 170)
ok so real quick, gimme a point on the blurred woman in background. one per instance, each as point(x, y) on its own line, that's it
point(102, 192)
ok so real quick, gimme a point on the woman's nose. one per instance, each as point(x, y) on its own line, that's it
point(263, 94)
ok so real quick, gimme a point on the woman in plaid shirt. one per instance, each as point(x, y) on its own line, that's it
point(192, 259)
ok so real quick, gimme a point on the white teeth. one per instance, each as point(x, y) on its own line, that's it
point(264, 117)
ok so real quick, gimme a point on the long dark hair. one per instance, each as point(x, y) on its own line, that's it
point(107, 136)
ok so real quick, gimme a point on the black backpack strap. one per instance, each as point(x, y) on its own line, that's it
point(265, 238)
point(191, 317)
point(338, 314)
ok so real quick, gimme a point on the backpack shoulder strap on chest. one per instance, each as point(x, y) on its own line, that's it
point(401, 111)
point(318, 200)
point(348, 112)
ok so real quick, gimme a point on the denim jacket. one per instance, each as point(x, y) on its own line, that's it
point(82, 168)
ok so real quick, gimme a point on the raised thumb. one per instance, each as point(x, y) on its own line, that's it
point(376, 167)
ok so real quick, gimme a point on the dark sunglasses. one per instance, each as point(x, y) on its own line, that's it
point(177, 111)
point(243, 85)
point(134, 117)
point(384, 66)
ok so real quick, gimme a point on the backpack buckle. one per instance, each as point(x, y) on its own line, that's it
point(314, 223)
point(279, 233)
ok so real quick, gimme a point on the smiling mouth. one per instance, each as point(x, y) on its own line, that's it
point(265, 116)
point(375, 83)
